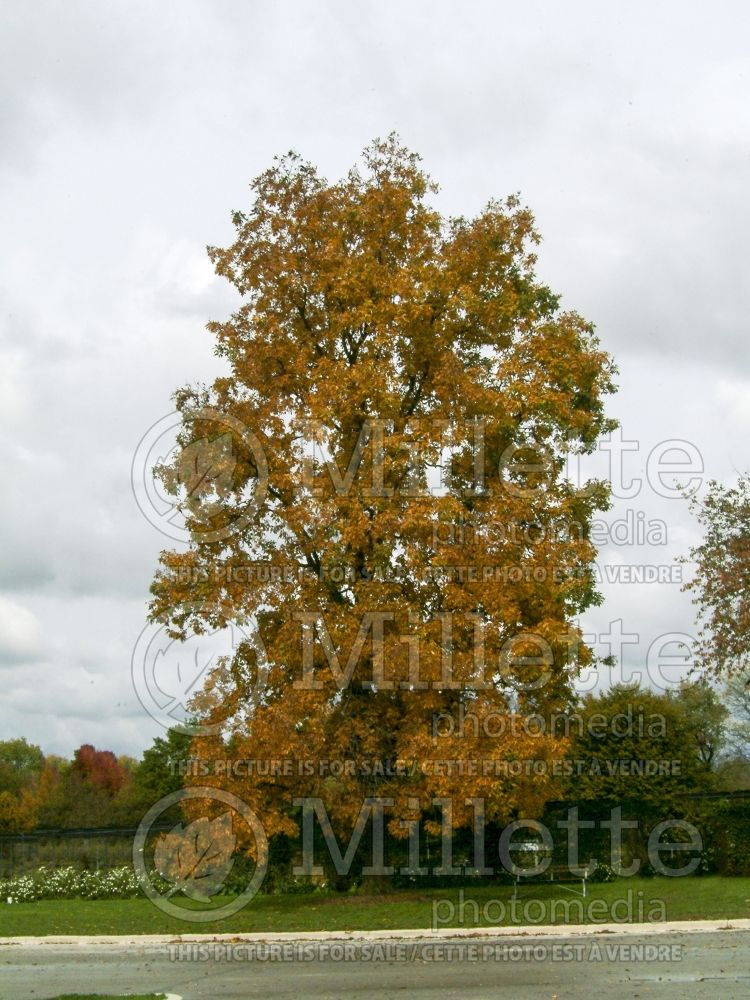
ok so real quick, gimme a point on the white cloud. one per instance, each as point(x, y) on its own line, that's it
point(20, 633)
point(734, 396)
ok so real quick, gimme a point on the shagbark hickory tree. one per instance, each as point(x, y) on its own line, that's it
point(387, 507)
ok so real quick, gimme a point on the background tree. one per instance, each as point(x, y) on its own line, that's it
point(95, 788)
point(721, 584)
point(20, 765)
point(162, 770)
point(705, 719)
point(619, 731)
point(50, 795)
point(736, 696)
point(17, 812)
point(92, 790)
point(402, 341)
point(734, 768)
point(100, 768)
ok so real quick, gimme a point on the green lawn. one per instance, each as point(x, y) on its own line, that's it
point(689, 898)
point(100, 996)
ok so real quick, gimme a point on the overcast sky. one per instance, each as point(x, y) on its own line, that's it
point(129, 131)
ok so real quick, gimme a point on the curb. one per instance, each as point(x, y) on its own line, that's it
point(444, 933)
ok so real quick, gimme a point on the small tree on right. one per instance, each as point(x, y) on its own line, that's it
point(721, 584)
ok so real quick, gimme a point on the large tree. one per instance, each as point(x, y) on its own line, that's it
point(377, 341)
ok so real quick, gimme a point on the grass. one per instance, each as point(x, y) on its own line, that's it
point(625, 900)
point(101, 996)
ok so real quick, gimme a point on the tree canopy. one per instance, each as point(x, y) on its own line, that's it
point(402, 396)
point(637, 745)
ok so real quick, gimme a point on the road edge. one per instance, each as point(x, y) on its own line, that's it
point(411, 934)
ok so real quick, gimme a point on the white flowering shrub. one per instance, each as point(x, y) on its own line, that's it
point(69, 883)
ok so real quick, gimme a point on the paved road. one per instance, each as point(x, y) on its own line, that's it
point(713, 965)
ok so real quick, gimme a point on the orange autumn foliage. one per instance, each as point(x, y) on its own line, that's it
point(376, 342)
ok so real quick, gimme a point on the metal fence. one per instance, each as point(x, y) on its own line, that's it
point(94, 849)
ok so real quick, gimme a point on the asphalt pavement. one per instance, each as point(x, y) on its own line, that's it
point(629, 966)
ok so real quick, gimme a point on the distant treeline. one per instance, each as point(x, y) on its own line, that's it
point(628, 743)
point(94, 789)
